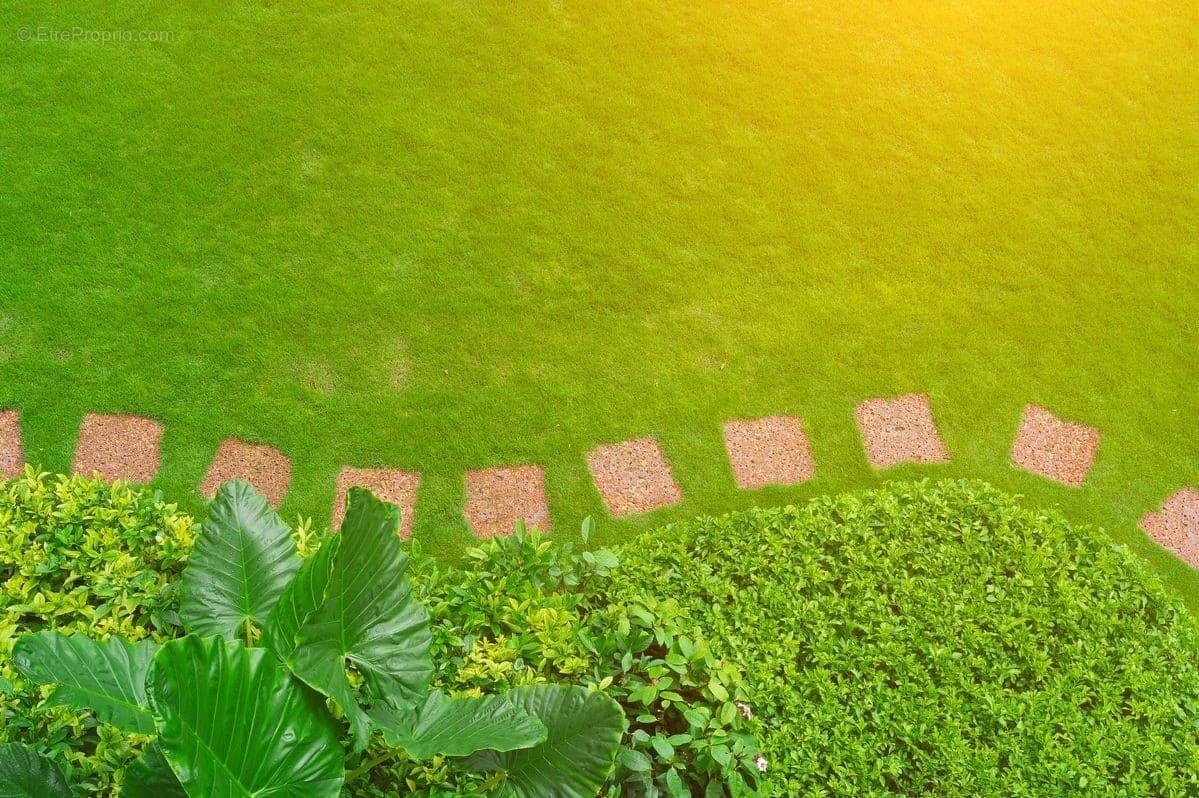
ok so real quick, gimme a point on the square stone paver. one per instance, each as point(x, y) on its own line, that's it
point(633, 477)
point(264, 467)
point(1052, 448)
point(496, 498)
point(118, 447)
point(12, 458)
point(900, 430)
point(768, 451)
point(1176, 525)
point(389, 484)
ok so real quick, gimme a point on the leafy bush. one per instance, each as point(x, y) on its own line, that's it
point(938, 639)
point(342, 638)
point(525, 610)
point(80, 555)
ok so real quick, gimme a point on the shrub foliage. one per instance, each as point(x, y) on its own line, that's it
point(525, 610)
point(939, 639)
point(343, 640)
point(80, 555)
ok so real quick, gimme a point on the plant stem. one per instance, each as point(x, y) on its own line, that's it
point(367, 766)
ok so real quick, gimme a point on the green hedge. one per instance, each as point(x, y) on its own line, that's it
point(80, 555)
point(939, 639)
point(524, 610)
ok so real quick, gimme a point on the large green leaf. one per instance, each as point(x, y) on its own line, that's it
point(584, 734)
point(301, 598)
point(25, 774)
point(243, 560)
point(234, 724)
point(150, 776)
point(108, 678)
point(458, 726)
point(369, 618)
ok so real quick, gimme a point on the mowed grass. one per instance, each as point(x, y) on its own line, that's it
point(442, 236)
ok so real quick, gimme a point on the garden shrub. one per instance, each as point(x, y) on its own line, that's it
point(938, 639)
point(282, 656)
point(80, 555)
point(524, 610)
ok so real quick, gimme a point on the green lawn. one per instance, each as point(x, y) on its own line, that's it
point(448, 235)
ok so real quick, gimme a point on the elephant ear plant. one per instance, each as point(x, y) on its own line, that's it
point(280, 653)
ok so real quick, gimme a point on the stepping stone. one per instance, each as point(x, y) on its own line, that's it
point(118, 447)
point(1052, 448)
point(264, 467)
point(633, 477)
point(497, 498)
point(768, 451)
point(389, 484)
point(900, 430)
point(11, 456)
point(1176, 525)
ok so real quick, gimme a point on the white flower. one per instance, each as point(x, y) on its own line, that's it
point(761, 763)
point(744, 709)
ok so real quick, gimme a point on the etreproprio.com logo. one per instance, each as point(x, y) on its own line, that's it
point(93, 35)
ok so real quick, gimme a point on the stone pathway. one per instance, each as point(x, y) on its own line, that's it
point(632, 477)
point(389, 484)
point(12, 459)
point(118, 447)
point(264, 467)
point(900, 430)
point(1055, 449)
point(768, 451)
point(497, 498)
point(1176, 525)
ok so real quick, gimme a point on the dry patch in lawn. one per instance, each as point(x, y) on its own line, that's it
point(900, 430)
point(264, 467)
point(633, 476)
point(12, 457)
point(1176, 525)
point(1056, 449)
point(118, 447)
point(497, 498)
point(768, 451)
point(389, 484)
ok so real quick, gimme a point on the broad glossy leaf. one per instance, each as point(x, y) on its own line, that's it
point(150, 776)
point(369, 618)
point(301, 598)
point(232, 723)
point(25, 774)
point(458, 726)
point(243, 560)
point(107, 677)
point(584, 734)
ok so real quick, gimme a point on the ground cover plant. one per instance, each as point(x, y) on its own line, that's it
point(525, 619)
point(939, 639)
point(342, 639)
point(82, 557)
point(443, 236)
point(527, 609)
